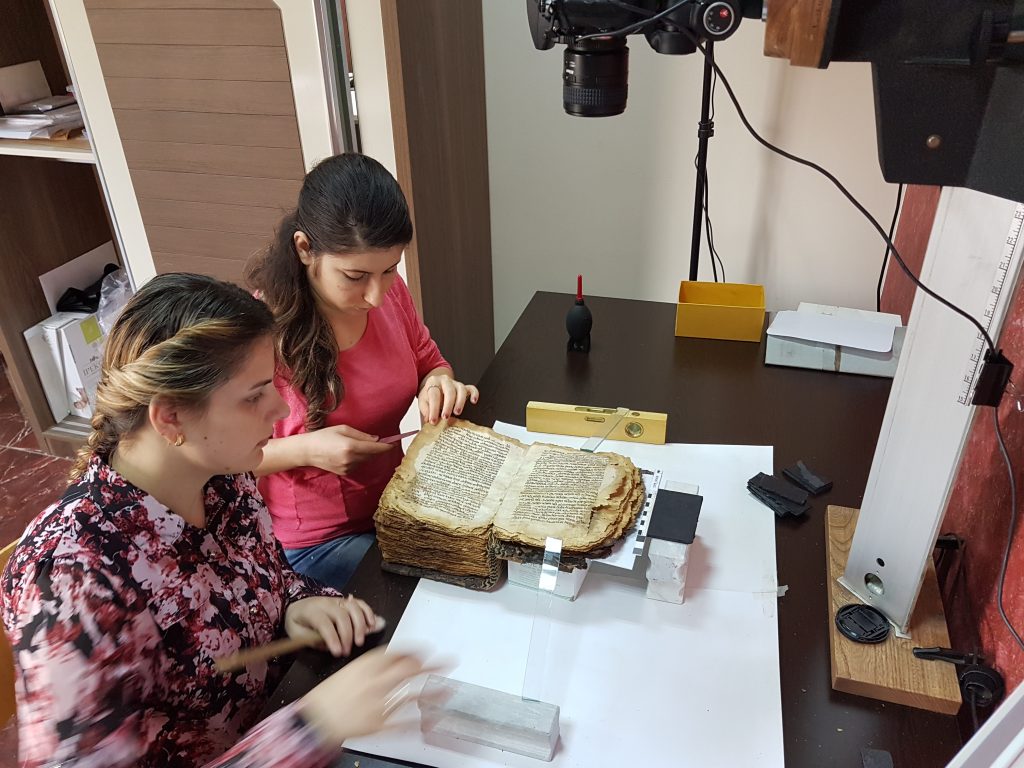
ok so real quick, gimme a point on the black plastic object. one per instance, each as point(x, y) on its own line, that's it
point(995, 373)
point(87, 299)
point(784, 499)
point(862, 623)
point(674, 517)
point(579, 321)
point(983, 684)
point(978, 682)
point(810, 481)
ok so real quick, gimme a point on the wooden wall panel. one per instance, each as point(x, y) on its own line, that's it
point(237, 5)
point(204, 243)
point(208, 128)
point(203, 100)
point(219, 96)
point(195, 62)
point(435, 61)
point(207, 188)
point(187, 27)
point(217, 217)
point(258, 162)
point(223, 269)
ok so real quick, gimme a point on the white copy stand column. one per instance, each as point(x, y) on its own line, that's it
point(973, 260)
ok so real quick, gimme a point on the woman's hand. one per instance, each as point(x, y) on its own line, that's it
point(359, 698)
point(441, 397)
point(339, 622)
point(341, 449)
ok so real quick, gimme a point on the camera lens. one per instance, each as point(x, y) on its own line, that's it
point(594, 81)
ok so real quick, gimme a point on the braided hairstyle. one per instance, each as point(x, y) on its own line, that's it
point(348, 203)
point(179, 338)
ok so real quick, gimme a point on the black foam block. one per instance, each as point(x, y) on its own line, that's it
point(674, 517)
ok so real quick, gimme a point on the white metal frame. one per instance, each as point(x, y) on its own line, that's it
point(75, 35)
point(303, 41)
point(999, 743)
point(925, 427)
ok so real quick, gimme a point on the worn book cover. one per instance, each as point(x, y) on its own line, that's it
point(465, 499)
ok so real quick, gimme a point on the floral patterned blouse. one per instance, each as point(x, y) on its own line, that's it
point(116, 609)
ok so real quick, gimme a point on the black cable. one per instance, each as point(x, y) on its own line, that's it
point(716, 260)
point(714, 84)
point(846, 193)
point(711, 231)
point(885, 259)
point(974, 710)
point(1013, 529)
point(707, 227)
point(707, 194)
point(627, 30)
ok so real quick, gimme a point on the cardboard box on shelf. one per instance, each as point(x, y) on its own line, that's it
point(67, 349)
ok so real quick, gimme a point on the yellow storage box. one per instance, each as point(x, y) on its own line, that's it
point(733, 311)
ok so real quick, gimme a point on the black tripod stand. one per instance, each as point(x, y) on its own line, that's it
point(705, 130)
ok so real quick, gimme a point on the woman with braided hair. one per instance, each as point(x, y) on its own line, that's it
point(160, 558)
point(353, 355)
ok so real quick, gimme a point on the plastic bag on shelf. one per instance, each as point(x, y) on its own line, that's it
point(114, 294)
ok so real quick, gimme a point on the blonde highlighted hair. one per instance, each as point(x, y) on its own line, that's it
point(179, 338)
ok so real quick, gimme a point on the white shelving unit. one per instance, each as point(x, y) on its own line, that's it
point(77, 150)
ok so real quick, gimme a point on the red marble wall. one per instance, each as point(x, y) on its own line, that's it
point(979, 508)
point(915, 227)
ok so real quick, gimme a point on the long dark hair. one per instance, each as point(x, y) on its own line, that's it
point(348, 203)
point(180, 337)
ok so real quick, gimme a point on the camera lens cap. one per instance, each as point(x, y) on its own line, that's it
point(862, 623)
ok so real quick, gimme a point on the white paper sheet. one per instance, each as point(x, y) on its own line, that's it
point(843, 330)
point(639, 682)
point(886, 318)
point(729, 552)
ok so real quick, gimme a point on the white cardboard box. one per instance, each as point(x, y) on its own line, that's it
point(825, 356)
point(67, 349)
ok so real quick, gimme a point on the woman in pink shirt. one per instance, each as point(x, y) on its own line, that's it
point(352, 353)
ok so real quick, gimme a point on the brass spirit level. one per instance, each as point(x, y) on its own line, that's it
point(587, 421)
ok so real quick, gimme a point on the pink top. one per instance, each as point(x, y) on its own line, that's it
point(381, 374)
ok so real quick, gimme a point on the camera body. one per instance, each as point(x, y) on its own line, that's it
point(596, 71)
point(948, 75)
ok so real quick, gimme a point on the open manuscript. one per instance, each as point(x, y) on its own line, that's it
point(465, 499)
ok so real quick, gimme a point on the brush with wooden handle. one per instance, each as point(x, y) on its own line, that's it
point(282, 647)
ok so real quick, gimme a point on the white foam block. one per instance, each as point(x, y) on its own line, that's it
point(451, 709)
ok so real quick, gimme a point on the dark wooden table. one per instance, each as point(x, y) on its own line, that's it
point(714, 392)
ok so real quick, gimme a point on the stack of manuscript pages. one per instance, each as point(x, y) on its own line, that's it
point(465, 499)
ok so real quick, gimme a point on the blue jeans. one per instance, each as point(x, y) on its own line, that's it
point(333, 562)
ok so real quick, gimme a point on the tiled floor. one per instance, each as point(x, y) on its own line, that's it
point(29, 481)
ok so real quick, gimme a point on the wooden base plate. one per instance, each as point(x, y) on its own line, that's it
point(888, 670)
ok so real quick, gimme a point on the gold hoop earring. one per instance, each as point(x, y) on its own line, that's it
point(179, 441)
